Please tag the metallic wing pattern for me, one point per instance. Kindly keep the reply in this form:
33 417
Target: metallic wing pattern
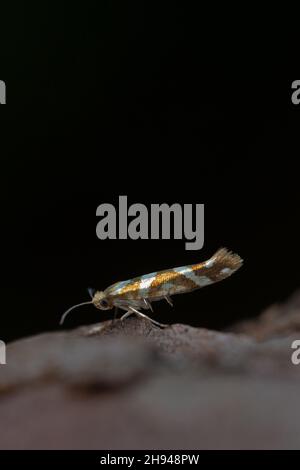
157 285
138 293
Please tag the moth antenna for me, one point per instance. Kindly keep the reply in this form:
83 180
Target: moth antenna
91 291
72 308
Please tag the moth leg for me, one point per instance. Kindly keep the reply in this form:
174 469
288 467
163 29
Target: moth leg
115 314
140 314
129 312
148 304
169 300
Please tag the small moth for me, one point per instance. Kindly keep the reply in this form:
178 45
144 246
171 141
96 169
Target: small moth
138 293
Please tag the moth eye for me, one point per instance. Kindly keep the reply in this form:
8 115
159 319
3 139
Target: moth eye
104 303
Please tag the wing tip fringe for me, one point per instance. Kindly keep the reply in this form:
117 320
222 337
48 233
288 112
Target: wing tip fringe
228 258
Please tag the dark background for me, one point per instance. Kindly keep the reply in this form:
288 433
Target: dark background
110 100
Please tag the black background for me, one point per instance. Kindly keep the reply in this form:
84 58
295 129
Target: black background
113 100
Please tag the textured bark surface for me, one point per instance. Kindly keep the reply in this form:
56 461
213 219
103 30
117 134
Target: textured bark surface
119 385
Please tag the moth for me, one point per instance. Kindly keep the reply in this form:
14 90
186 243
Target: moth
139 293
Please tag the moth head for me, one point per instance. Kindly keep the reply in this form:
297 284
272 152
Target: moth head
101 301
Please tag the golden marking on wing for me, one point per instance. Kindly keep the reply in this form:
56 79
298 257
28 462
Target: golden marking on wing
131 290
176 283
163 277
